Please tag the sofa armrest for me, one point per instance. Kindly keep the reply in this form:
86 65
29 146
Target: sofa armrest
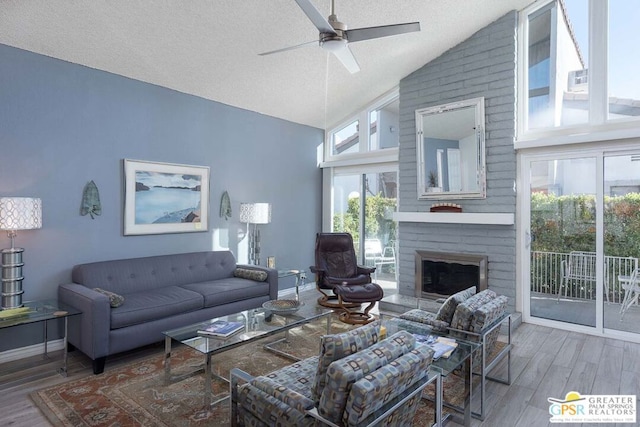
89 331
272 277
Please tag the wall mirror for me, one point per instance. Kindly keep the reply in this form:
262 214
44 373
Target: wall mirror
450 150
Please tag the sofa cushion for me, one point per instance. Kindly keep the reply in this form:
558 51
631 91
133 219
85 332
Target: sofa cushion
232 289
344 372
448 309
142 274
334 347
152 305
464 312
371 392
246 273
115 300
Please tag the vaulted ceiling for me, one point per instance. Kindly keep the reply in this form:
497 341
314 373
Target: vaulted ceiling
209 48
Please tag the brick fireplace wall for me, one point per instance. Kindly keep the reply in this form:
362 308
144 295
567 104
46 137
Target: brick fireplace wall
483 65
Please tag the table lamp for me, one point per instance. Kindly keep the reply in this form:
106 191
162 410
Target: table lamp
16 213
255 213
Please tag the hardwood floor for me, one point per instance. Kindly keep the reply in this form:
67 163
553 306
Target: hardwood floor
546 363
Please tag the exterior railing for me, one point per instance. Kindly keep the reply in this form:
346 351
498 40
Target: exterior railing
546 276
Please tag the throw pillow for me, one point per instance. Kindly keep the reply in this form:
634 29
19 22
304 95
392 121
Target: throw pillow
337 346
463 315
115 300
449 307
256 275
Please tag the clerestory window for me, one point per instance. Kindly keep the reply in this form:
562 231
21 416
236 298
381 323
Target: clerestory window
578 75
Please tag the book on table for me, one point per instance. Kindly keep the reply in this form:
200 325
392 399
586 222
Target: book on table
221 328
442 346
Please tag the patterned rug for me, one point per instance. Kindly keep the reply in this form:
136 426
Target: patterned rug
136 395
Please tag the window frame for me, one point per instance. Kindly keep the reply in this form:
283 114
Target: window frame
599 127
364 155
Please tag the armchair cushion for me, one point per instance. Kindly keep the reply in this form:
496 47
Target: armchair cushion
420 316
283 393
343 373
488 313
264 409
464 312
372 392
334 347
448 309
297 376
360 279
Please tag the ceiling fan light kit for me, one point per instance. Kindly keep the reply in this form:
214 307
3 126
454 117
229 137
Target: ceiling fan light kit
335 38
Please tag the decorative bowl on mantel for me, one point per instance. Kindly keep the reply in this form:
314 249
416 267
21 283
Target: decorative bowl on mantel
445 207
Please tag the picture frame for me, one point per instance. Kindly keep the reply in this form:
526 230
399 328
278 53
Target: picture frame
165 198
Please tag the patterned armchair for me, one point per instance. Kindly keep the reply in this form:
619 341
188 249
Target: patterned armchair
472 317
354 381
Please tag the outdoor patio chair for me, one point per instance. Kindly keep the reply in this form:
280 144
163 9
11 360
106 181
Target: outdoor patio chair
631 286
579 267
377 256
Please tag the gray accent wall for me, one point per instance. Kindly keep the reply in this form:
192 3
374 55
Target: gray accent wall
63 125
482 66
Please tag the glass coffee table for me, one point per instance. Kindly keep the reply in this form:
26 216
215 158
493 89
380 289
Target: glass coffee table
258 323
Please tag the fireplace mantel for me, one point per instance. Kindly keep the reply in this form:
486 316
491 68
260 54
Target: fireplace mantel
456 218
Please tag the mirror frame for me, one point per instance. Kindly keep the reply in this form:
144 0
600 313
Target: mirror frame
478 105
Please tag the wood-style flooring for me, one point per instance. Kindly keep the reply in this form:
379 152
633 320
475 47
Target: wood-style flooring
546 362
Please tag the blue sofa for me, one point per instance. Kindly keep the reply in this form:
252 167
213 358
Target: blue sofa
160 293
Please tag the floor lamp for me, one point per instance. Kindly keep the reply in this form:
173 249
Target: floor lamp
254 214
16 213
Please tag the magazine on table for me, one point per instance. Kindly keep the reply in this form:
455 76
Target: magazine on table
221 328
442 346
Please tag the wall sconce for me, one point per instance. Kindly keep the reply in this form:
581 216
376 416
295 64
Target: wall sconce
16 213
255 213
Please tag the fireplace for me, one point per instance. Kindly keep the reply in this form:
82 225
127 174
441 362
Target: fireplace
440 274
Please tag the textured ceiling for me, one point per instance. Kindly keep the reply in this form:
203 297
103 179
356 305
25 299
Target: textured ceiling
209 48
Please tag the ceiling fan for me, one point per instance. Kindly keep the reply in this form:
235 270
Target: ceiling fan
335 37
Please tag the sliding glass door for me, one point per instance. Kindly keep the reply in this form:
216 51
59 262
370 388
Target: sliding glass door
562 240
363 204
582 240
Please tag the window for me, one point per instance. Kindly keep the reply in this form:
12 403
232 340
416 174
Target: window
578 70
383 126
346 139
372 132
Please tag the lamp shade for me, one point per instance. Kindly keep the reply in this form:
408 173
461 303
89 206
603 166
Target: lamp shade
20 213
255 213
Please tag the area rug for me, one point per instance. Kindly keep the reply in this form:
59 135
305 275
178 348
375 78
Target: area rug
136 395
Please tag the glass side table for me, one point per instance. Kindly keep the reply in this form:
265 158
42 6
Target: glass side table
460 359
43 311
301 275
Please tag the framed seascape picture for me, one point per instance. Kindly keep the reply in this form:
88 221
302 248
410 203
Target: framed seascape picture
165 198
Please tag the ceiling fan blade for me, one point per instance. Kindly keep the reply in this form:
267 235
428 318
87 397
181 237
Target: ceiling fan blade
360 34
315 17
284 49
345 56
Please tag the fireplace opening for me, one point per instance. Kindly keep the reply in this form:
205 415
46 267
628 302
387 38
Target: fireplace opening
440 274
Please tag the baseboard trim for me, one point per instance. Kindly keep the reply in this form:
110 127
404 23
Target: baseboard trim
31 350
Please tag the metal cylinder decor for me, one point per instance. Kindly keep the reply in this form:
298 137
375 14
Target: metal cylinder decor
16 213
